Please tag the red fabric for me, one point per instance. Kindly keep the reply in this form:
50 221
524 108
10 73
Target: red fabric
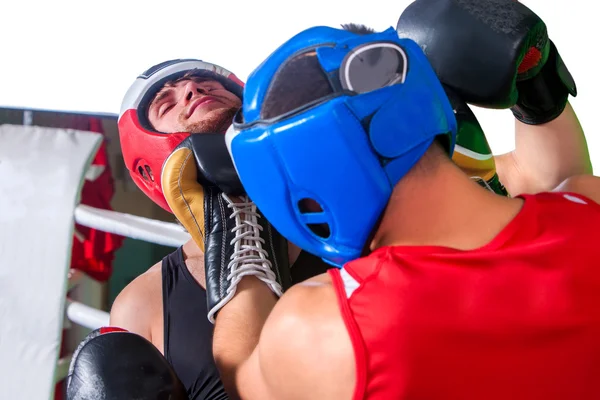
532 59
95 254
516 319
109 329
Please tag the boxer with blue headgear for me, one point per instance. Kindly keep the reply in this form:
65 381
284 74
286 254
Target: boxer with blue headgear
344 150
352 132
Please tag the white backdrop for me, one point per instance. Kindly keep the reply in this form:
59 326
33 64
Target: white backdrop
82 55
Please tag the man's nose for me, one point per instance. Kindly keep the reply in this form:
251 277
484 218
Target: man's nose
192 89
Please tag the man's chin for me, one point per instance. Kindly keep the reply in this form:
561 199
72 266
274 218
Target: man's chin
217 121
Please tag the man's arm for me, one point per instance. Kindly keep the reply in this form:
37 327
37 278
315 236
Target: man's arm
138 304
238 326
544 155
297 348
585 185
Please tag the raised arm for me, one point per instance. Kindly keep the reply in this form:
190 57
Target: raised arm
528 76
545 155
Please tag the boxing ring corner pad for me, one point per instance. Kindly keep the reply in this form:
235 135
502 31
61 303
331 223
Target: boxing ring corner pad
85 316
42 171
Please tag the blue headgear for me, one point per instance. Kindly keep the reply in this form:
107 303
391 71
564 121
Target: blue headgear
346 151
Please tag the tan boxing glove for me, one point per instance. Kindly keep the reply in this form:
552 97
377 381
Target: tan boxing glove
184 194
203 190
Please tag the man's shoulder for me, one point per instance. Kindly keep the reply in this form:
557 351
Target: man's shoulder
307 311
306 328
139 302
309 292
145 285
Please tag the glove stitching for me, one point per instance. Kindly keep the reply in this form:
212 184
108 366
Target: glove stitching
208 200
224 245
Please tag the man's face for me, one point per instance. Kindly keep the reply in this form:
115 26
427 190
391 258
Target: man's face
195 105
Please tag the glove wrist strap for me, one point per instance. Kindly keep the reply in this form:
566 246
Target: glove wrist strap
544 97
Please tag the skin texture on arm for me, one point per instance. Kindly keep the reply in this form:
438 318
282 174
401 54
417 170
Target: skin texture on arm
585 185
544 155
238 326
302 352
138 308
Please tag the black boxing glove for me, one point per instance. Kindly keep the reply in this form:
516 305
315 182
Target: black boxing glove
111 363
203 189
493 53
543 95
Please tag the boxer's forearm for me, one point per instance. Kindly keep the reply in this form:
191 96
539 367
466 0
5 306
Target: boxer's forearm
545 155
238 327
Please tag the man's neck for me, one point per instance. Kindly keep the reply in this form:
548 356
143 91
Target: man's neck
194 261
443 208
191 250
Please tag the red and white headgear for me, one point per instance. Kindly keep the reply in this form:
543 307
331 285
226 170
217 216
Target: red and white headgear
144 148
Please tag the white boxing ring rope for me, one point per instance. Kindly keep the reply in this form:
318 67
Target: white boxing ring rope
132 226
86 316
153 231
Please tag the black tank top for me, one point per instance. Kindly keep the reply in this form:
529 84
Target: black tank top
307 266
188 333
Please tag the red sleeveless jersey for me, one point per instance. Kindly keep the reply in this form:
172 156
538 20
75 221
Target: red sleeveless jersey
516 319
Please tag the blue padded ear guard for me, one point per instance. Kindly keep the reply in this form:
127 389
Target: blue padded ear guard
405 115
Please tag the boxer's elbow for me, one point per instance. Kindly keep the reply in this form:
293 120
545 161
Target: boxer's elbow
519 177
545 155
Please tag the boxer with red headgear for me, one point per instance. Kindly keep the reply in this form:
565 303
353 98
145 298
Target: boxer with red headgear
167 305
174 104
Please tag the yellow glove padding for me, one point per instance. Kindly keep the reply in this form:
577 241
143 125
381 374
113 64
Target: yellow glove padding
185 196
472 152
475 164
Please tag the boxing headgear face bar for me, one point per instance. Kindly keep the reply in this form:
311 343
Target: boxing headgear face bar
144 149
346 150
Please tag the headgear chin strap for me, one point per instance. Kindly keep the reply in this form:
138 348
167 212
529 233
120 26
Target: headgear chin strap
345 151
